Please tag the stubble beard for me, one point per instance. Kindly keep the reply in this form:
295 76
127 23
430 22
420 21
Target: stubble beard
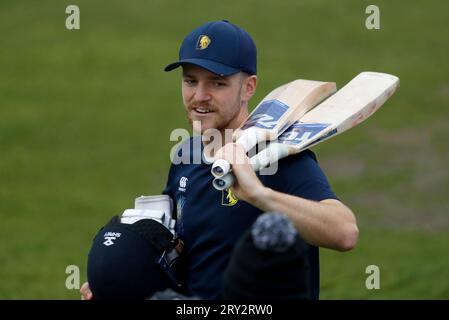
219 122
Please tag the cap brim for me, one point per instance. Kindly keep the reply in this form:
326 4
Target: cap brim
212 66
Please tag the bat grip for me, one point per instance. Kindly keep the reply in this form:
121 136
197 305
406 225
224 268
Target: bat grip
250 137
273 153
247 140
220 168
224 182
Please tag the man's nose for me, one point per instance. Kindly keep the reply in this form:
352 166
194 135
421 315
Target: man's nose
202 93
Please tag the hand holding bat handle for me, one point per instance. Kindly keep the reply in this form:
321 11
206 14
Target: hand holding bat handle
252 136
350 106
275 113
273 153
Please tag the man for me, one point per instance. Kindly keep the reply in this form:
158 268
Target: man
219 78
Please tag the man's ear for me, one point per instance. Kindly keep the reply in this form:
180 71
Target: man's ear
249 85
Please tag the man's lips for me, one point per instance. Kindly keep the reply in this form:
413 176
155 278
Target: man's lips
202 111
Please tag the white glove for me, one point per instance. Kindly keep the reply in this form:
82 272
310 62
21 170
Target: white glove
158 208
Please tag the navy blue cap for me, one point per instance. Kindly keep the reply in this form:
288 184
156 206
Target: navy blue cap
220 47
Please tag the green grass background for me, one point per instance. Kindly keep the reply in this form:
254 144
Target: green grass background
85 118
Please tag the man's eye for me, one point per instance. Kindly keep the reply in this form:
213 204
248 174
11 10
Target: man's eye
220 84
189 81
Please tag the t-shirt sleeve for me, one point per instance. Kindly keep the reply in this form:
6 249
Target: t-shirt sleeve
301 175
168 190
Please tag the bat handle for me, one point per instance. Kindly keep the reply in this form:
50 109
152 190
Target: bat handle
224 182
273 153
220 168
247 140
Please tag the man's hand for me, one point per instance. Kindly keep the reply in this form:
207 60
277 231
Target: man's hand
86 294
327 223
247 186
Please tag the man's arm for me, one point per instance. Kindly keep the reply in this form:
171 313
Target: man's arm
328 223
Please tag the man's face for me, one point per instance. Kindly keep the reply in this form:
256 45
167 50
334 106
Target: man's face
214 100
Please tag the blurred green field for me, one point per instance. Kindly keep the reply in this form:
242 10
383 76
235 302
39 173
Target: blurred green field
85 118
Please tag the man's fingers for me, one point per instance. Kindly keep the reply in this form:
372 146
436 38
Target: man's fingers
86 294
233 153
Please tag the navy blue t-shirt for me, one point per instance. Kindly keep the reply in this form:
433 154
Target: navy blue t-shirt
210 222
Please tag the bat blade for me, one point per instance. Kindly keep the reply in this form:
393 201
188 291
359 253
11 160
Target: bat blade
351 105
275 113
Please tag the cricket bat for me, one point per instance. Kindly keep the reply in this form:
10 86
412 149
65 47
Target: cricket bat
351 105
275 113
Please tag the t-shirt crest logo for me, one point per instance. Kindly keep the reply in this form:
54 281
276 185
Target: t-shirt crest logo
183 184
203 42
228 198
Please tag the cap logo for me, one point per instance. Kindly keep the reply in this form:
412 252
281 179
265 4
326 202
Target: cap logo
203 42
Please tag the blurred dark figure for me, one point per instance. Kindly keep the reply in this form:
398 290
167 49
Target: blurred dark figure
269 262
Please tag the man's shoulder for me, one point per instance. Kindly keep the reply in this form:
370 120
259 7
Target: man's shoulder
299 160
301 175
294 169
